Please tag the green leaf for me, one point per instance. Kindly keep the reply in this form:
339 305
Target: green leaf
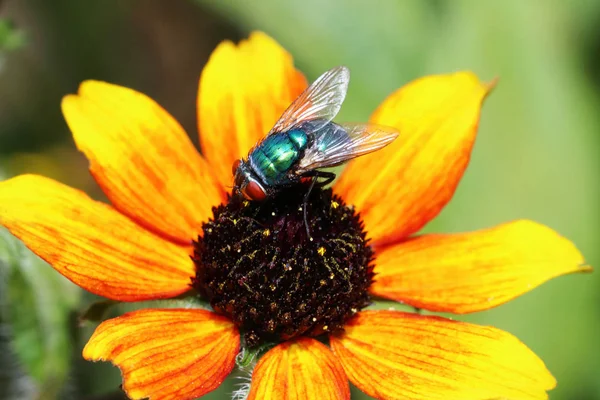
36 305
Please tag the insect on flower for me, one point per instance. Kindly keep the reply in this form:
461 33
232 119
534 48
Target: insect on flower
305 139
172 226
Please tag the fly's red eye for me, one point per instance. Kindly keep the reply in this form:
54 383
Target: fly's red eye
255 192
235 166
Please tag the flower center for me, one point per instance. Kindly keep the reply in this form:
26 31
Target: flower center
256 264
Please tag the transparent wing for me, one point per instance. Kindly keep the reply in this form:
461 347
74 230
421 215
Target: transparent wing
336 144
320 102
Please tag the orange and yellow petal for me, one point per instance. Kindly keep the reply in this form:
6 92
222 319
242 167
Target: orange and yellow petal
243 91
167 354
298 370
397 355
90 243
467 272
142 159
403 186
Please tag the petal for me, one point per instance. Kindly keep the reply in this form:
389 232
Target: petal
90 243
243 91
167 354
142 159
396 355
467 272
301 369
406 184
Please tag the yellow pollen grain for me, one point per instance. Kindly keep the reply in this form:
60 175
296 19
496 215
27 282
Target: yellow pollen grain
267 232
245 203
235 221
325 327
334 204
321 251
331 276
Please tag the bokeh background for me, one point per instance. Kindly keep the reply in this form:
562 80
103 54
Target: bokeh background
537 154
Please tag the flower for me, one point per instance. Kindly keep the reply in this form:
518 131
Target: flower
162 193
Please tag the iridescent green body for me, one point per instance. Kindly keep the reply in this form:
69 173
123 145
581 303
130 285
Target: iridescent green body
305 141
273 158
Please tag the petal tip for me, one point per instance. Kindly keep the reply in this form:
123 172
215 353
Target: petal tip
96 89
490 86
262 38
585 268
67 100
258 35
14 185
224 46
8 181
84 86
89 354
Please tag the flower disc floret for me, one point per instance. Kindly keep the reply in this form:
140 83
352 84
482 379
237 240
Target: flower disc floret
257 265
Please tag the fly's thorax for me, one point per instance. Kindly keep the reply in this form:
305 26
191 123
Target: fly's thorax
274 157
299 138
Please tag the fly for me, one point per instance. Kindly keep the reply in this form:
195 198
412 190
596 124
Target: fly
305 140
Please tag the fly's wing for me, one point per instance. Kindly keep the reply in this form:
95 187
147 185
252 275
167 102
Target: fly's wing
319 103
336 144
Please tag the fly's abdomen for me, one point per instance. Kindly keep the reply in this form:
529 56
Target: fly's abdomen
273 158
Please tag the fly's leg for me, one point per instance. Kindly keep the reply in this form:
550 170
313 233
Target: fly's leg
328 178
312 185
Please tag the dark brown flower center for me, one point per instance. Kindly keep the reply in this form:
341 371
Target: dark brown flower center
256 264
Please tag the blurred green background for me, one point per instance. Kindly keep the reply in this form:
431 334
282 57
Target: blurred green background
537 155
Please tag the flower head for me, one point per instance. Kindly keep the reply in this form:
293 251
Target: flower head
172 226
256 264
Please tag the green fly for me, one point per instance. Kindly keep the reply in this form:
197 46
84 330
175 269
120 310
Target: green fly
305 139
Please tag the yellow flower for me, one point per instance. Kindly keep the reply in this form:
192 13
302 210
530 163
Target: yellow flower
162 191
